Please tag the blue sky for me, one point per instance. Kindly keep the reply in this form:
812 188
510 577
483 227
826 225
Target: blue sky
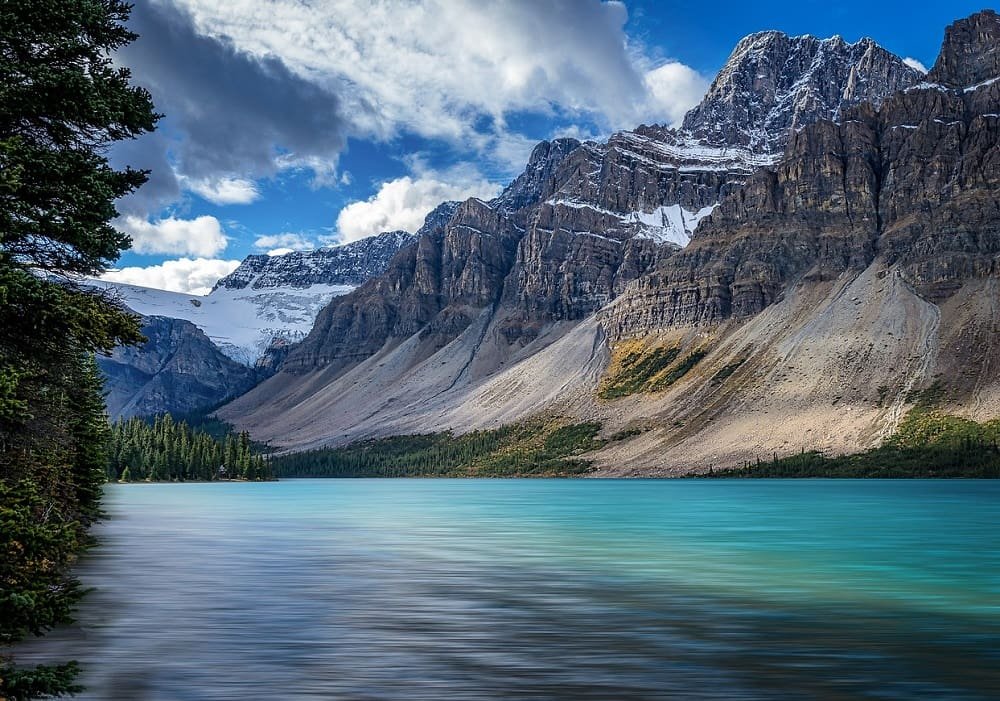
293 124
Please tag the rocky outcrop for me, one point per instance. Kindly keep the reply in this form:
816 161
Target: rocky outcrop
347 264
912 182
780 84
970 54
177 370
433 288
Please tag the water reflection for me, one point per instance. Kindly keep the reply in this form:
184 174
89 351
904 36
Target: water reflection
543 590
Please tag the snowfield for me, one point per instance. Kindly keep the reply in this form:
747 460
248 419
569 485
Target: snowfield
241 322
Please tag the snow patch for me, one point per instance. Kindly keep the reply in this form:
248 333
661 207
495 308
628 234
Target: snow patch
973 88
672 224
241 322
665 224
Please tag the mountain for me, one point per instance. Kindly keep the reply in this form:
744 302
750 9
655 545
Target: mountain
347 265
833 291
177 370
271 299
774 85
242 322
500 285
202 350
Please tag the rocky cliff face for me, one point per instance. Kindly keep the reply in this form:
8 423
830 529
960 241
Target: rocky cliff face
177 370
585 219
779 84
911 181
970 54
348 264
501 281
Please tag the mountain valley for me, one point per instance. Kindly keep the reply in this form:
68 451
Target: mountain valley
787 270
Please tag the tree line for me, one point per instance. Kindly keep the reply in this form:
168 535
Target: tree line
532 448
63 102
169 450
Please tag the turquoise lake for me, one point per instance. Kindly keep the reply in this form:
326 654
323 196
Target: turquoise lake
542 589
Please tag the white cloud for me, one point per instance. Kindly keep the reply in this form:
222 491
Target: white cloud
202 236
673 89
223 191
434 66
914 63
286 242
191 276
404 202
575 131
297 79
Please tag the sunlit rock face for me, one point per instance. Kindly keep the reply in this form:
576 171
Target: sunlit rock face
586 219
911 181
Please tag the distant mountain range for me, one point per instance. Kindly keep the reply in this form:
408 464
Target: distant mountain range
204 349
815 246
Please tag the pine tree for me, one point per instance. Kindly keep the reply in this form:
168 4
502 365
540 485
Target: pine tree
62 103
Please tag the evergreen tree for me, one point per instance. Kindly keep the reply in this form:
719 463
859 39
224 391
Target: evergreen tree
173 451
62 103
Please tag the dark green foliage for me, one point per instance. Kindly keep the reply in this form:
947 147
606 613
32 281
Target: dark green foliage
529 449
927 397
37 542
62 103
205 421
648 370
626 433
927 444
169 450
678 371
636 370
40 682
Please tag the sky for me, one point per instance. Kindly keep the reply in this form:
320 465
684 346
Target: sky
292 124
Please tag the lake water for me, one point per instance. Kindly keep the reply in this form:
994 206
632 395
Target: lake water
542 589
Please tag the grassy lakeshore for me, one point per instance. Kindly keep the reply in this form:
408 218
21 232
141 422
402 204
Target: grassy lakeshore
928 443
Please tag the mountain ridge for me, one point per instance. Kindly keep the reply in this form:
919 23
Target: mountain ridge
430 343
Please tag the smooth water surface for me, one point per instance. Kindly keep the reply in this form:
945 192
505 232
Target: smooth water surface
542 589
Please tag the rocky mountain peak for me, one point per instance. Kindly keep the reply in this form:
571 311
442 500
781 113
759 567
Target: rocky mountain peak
773 84
438 217
528 187
347 264
970 53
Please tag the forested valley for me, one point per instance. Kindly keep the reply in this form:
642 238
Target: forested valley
169 450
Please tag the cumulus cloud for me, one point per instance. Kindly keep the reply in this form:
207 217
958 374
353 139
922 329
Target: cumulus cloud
915 64
285 243
252 88
192 276
202 236
673 90
231 116
224 191
434 66
403 203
